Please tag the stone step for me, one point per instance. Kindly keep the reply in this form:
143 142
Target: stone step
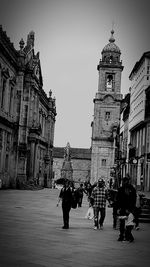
145 212
144 220
144 215
146 207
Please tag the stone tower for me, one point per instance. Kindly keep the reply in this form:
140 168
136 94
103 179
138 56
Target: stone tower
106 111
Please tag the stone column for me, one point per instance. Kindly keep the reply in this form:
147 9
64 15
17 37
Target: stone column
32 159
35 161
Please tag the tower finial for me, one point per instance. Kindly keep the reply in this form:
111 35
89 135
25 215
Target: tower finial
113 24
112 39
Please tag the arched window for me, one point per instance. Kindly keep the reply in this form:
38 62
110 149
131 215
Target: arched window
109 82
111 59
3 93
10 100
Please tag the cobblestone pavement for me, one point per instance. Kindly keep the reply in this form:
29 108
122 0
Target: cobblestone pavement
31 235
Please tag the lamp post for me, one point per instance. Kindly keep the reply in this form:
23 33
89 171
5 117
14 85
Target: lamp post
114 133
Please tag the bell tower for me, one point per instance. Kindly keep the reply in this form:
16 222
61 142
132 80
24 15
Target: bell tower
106 111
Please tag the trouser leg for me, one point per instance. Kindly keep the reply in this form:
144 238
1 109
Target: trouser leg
115 217
102 216
122 228
66 210
96 214
128 233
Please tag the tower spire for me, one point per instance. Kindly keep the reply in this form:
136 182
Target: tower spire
112 39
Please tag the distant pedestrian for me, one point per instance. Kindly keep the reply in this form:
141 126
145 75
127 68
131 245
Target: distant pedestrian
126 200
112 199
66 197
129 225
88 189
99 195
142 182
137 210
80 191
90 212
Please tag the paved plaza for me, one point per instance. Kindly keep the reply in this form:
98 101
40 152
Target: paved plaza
31 235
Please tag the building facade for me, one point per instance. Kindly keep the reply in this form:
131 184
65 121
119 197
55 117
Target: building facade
106 111
27 117
123 136
80 163
139 123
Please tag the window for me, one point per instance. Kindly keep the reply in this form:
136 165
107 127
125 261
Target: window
111 59
107 115
0 161
25 114
1 138
148 140
103 162
6 163
8 135
3 93
10 100
109 82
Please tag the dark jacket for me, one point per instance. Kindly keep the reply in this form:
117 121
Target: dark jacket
66 196
126 198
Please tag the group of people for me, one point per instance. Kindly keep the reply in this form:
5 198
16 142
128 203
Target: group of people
125 203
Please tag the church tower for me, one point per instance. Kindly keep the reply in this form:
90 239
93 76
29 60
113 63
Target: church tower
106 111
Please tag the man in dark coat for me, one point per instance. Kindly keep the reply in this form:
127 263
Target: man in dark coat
126 200
66 197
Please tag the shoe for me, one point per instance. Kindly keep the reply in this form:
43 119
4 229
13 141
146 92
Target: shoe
137 228
65 227
132 240
101 227
95 228
120 239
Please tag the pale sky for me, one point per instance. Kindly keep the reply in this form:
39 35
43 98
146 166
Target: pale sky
70 36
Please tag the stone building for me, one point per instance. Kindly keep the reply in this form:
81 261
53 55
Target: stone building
124 133
106 111
80 163
139 123
27 117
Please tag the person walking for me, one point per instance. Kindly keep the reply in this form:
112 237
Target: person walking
99 195
129 225
112 199
66 197
80 191
126 200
